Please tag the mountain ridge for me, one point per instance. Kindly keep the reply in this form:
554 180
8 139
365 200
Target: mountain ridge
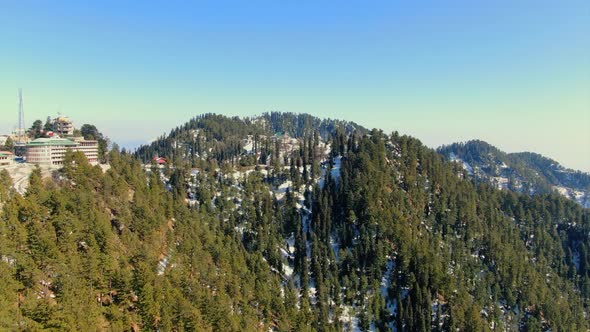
240 228
526 172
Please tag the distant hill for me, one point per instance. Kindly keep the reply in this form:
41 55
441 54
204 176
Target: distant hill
523 172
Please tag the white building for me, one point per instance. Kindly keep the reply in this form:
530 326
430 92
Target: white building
89 148
51 151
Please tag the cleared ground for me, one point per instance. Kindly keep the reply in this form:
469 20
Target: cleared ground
20 175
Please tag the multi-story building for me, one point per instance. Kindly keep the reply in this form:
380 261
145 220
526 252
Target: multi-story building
51 151
63 126
6 158
89 148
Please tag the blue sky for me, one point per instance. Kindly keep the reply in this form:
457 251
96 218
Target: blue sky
513 73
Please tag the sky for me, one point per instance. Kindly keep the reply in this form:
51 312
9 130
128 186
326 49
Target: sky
513 73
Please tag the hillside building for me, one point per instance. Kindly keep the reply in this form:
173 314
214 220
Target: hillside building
89 148
6 158
63 126
51 151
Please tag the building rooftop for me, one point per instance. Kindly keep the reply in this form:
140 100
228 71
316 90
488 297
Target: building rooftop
52 141
82 139
6 154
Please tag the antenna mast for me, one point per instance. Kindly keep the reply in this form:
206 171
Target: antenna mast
21 117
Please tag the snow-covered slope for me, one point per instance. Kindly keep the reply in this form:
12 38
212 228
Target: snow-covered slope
523 172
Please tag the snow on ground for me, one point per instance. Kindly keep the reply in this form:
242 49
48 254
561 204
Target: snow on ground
335 172
385 280
312 292
500 182
288 269
466 165
468 168
263 170
282 189
577 260
291 243
240 229
562 190
237 175
322 180
385 283
287 257
287 262
163 264
336 247
306 219
581 197
349 319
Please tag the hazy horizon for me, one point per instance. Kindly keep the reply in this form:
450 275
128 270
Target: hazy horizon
516 75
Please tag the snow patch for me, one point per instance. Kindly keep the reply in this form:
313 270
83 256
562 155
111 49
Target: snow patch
335 172
349 319
282 189
465 165
163 264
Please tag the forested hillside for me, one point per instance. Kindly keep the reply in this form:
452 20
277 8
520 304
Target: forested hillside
523 172
287 223
216 137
